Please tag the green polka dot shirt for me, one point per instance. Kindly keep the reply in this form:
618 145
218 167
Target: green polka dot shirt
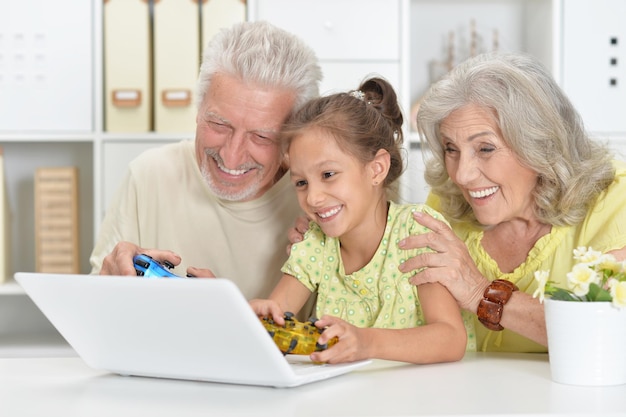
378 295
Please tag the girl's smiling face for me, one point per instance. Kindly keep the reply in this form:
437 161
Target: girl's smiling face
334 188
494 182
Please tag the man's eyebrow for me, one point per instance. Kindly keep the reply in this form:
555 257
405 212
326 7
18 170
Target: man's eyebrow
267 131
213 115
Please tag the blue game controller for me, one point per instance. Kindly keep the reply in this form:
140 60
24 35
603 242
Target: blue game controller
149 268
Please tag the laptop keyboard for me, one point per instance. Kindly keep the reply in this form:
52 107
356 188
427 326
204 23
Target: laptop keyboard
302 363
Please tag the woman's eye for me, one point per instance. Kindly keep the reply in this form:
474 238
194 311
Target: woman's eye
487 149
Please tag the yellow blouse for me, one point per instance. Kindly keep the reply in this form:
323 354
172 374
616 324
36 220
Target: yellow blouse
604 229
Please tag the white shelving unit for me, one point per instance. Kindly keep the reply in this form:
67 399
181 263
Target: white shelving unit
46 119
34 49
399 39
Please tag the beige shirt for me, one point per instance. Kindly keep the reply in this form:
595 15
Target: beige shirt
164 203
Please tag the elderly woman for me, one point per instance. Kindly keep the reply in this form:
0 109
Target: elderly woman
521 184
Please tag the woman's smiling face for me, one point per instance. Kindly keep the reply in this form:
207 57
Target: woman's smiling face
478 160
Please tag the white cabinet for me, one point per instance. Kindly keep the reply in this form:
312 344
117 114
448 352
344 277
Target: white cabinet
46 66
352 38
594 62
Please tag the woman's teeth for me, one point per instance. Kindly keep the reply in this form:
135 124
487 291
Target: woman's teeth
483 193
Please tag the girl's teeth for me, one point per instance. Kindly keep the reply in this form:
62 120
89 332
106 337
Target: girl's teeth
329 213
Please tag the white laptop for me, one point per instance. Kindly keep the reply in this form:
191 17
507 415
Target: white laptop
196 329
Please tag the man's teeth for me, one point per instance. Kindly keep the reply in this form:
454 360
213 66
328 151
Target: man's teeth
233 171
329 213
483 193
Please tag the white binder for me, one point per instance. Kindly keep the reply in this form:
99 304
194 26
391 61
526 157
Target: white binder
127 61
176 64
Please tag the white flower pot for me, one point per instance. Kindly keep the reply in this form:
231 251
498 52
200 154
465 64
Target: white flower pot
586 342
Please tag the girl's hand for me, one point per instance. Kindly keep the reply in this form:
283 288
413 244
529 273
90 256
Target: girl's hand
268 308
450 264
296 233
352 345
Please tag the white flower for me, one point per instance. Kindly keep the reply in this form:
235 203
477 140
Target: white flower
618 292
587 255
608 261
596 276
542 278
580 278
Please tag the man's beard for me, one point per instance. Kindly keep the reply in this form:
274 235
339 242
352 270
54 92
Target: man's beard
223 191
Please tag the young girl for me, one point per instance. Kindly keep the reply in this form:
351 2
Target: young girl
344 153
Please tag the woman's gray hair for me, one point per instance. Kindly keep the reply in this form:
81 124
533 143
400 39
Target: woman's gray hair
262 54
537 121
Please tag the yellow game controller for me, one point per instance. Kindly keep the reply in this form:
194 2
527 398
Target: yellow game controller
295 337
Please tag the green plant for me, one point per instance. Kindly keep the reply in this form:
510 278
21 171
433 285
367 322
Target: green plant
596 276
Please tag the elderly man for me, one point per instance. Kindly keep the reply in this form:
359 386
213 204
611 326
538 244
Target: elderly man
220 206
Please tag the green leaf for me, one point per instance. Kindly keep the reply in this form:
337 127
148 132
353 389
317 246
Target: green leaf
563 295
598 294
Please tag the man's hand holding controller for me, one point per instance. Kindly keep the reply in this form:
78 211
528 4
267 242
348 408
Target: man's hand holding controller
121 261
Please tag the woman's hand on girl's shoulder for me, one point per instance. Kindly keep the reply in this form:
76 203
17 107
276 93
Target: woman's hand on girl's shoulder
449 262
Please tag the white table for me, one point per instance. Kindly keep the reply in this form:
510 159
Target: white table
481 384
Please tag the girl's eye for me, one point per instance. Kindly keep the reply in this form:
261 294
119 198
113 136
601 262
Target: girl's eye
327 175
300 183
